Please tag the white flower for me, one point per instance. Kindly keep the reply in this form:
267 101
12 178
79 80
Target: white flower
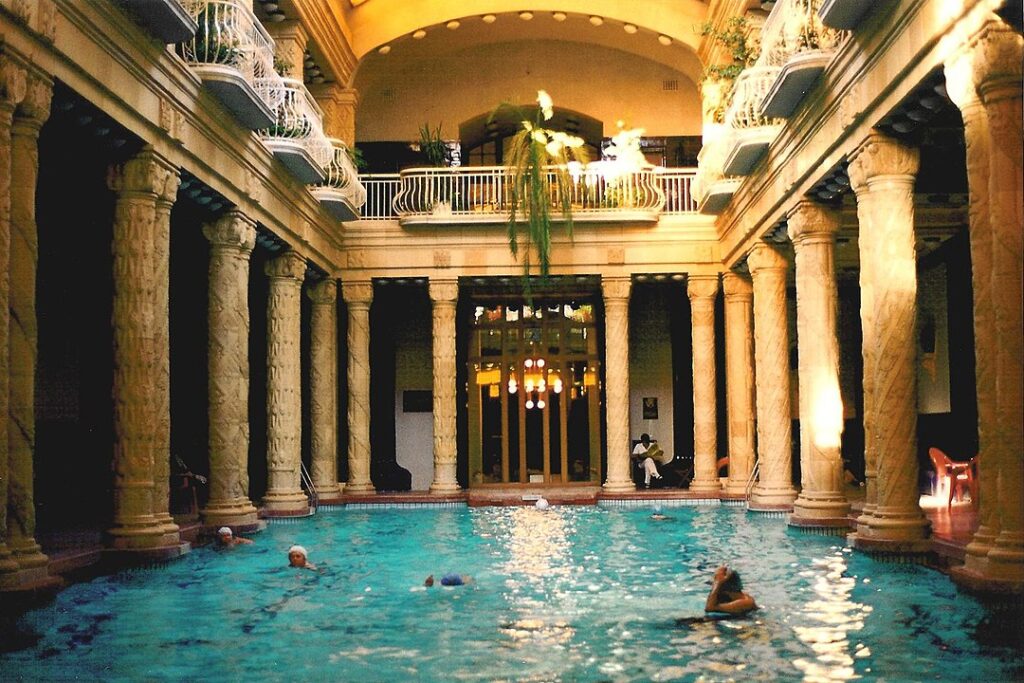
539 136
547 107
553 147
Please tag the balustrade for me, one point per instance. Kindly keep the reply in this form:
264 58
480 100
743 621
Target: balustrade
749 132
341 191
297 136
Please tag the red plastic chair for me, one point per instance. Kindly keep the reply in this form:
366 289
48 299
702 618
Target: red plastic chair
957 475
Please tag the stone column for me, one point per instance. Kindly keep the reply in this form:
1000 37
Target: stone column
290 39
739 379
13 85
961 88
32 112
323 389
997 74
339 106
821 502
358 296
443 295
882 173
616 374
702 290
284 387
140 351
774 489
232 239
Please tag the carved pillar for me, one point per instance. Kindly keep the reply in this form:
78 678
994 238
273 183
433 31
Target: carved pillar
882 173
232 239
821 502
774 487
358 296
616 374
290 39
12 91
339 106
961 88
997 74
702 290
139 353
443 295
739 379
284 386
32 112
323 389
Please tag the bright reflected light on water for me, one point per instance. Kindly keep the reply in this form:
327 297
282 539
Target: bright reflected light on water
836 616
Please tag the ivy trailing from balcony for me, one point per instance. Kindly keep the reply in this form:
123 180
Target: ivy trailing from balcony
538 165
741 42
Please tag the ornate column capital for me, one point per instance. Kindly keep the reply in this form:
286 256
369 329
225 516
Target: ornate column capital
878 156
737 287
616 288
356 293
764 257
34 108
701 286
444 291
232 230
288 265
324 292
810 219
13 81
146 173
960 86
997 60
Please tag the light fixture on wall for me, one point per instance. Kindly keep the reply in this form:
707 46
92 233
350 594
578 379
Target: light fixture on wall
537 381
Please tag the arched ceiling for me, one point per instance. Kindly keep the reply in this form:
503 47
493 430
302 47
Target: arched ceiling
663 31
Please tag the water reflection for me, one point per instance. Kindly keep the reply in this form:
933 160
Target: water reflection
833 615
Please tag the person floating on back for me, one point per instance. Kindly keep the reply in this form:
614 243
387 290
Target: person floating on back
226 538
299 558
449 580
727 594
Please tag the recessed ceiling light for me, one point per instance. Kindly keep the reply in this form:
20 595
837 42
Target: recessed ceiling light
596 20
526 16
629 28
453 24
664 40
384 49
419 34
489 18
558 16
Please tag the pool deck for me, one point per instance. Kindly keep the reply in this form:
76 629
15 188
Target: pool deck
77 553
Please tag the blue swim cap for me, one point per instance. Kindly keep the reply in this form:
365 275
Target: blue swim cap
451 580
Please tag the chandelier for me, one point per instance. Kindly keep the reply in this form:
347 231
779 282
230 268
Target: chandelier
536 380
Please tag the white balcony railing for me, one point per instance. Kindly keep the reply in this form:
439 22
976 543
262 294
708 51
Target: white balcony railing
381 190
677 186
480 194
799 46
711 188
234 55
297 134
341 192
749 132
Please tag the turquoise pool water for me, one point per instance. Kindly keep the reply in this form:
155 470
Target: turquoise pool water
568 594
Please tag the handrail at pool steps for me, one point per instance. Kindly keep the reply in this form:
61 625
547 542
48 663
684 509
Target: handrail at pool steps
751 479
314 497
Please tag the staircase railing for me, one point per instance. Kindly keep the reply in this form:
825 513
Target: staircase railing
307 481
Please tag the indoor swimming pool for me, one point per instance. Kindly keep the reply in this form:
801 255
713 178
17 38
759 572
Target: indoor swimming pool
566 594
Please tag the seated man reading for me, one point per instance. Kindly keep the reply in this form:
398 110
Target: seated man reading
644 454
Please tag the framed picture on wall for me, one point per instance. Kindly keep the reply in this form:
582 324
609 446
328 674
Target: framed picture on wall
650 407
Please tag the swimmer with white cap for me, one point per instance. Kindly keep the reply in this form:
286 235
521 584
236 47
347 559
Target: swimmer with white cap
542 503
298 557
226 538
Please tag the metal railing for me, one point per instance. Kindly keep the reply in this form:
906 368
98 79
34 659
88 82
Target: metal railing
677 186
793 28
342 175
752 85
299 119
381 190
752 480
230 35
307 481
710 162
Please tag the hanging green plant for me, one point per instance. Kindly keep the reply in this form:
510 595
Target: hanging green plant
741 42
538 181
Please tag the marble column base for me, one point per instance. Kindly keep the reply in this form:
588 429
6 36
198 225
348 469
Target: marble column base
28 554
984 584
33 580
285 503
8 568
820 506
444 488
1006 559
976 552
359 489
734 487
707 486
330 493
168 523
892 526
623 486
769 499
132 556
143 533
231 513
889 546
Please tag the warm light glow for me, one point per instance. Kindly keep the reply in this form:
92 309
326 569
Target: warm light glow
384 49
541 404
664 40
526 16
453 24
629 28
528 362
557 386
489 18
558 16
827 412
528 384
512 386
529 403
540 362
419 34
491 376
596 20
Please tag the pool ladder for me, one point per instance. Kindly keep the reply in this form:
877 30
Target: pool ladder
751 480
307 481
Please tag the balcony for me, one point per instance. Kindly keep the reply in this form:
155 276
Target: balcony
297 136
479 194
168 20
711 188
234 56
844 14
341 193
796 43
748 133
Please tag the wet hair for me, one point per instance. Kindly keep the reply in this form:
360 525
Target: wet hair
733 584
